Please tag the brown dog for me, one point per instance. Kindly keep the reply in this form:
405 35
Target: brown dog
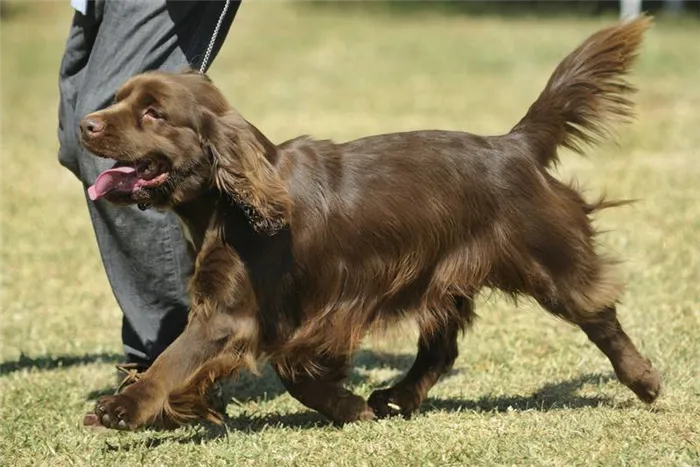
304 247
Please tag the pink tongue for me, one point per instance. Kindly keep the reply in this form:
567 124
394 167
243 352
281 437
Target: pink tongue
119 178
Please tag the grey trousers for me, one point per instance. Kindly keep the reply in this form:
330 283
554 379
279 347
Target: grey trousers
144 253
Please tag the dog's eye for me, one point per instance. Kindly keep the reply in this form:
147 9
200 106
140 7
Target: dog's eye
152 113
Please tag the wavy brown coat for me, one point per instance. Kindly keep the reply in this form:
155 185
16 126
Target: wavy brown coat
304 247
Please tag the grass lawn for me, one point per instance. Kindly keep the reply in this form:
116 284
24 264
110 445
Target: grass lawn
527 389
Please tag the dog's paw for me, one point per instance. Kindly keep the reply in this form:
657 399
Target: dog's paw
118 412
646 384
393 402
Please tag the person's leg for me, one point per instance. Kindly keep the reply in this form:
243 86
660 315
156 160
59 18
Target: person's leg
144 253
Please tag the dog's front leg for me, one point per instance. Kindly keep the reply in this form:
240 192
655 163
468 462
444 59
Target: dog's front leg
169 392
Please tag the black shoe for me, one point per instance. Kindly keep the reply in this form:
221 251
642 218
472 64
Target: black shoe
129 373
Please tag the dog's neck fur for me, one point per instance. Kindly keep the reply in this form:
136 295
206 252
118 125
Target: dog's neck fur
195 217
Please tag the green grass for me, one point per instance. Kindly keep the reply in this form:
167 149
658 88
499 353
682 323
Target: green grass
527 389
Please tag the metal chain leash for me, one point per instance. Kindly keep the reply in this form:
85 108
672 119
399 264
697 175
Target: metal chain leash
213 38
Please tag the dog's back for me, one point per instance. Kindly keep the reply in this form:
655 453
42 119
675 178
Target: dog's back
400 223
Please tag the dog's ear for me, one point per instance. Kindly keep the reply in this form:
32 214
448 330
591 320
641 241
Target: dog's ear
242 159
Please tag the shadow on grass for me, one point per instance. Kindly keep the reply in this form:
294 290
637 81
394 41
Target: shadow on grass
370 360
243 423
49 362
553 396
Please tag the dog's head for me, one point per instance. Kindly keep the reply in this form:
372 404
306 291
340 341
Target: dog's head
174 137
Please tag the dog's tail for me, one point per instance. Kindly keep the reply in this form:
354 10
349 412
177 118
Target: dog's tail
585 92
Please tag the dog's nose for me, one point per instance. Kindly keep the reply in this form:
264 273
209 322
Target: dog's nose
92 126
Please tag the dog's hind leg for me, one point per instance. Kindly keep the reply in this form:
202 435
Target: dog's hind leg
581 302
632 369
437 352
